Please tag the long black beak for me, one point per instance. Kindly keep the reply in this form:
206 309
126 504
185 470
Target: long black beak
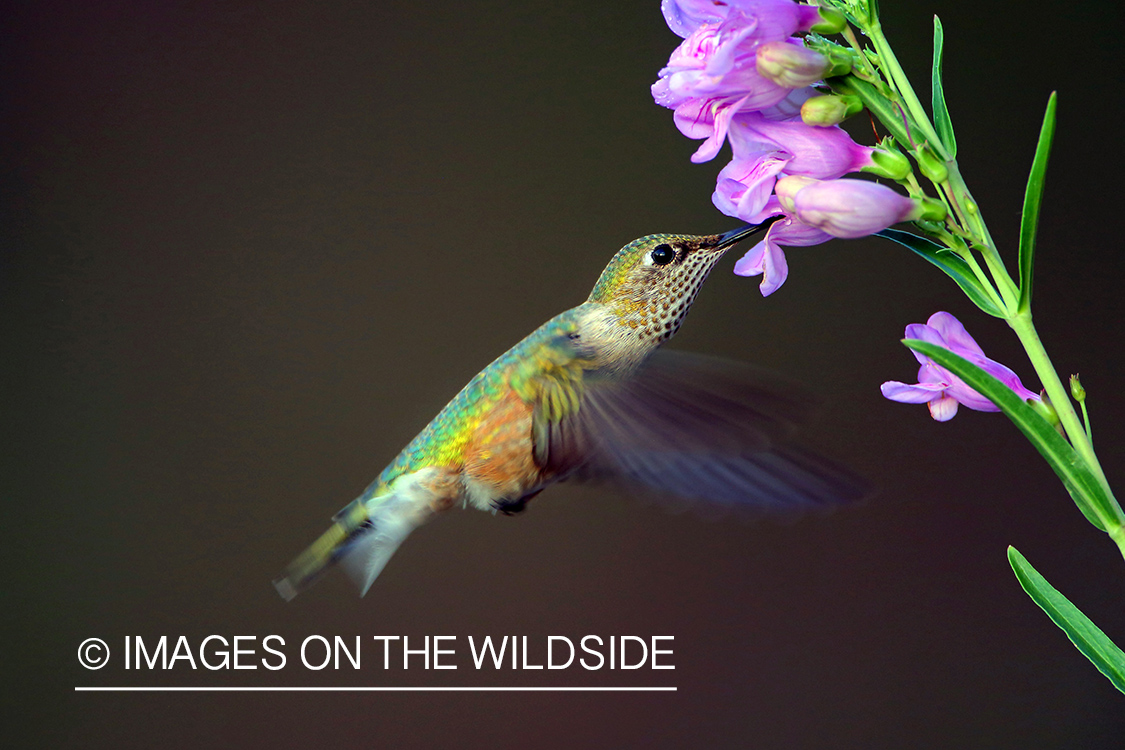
728 239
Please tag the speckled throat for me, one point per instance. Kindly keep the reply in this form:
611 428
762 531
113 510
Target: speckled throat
653 299
664 311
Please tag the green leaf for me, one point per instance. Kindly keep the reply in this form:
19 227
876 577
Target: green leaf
949 262
1084 634
1080 482
1032 199
942 122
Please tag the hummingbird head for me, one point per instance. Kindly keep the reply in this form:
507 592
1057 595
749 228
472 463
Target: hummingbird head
651 283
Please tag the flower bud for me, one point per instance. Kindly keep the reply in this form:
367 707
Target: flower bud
791 65
889 163
787 188
831 22
1076 389
931 166
849 208
830 109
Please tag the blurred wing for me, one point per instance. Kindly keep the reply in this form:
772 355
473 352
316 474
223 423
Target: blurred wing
699 429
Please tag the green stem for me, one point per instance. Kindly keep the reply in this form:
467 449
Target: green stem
989 289
954 188
913 117
970 218
1029 337
896 76
1086 421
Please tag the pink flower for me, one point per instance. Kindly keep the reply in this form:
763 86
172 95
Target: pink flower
815 211
685 16
766 150
717 62
740 73
714 73
850 208
940 388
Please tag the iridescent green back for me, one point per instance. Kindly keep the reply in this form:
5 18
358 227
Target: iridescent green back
444 440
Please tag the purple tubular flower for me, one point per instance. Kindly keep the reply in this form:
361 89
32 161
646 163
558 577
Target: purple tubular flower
685 16
710 65
940 388
851 208
741 74
815 211
714 73
766 150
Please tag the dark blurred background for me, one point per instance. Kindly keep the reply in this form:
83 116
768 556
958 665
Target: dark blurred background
249 250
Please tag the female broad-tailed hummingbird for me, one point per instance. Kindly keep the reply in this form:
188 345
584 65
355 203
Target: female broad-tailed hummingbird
587 396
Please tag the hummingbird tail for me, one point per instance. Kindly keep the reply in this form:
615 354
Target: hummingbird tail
362 539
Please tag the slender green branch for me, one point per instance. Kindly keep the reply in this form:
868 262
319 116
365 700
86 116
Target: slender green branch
989 289
972 220
1086 420
1060 399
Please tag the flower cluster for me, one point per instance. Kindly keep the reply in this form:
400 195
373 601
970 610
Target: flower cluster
741 74
940 388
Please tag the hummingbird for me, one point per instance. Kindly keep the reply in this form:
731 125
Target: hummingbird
590 396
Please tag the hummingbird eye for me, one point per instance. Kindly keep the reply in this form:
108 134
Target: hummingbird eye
662 255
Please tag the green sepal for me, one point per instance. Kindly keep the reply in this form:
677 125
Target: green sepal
1032 199
1088 493
1084 634
831 22
942 122
949 262
890 164
931 165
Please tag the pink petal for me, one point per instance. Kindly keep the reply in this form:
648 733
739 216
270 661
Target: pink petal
957 338
809 16
909 394
923 332
776 269
790 232
685 16
753 262
824 153
789 108
970 398
708 119
931 373
744 185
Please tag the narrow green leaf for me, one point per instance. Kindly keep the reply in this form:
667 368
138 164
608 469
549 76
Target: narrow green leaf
1032 198
1080 482
942 122
949 262
1084 634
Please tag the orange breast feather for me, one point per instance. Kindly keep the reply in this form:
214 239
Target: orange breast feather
499 454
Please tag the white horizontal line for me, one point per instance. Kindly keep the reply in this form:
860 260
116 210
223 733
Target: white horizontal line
370 689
